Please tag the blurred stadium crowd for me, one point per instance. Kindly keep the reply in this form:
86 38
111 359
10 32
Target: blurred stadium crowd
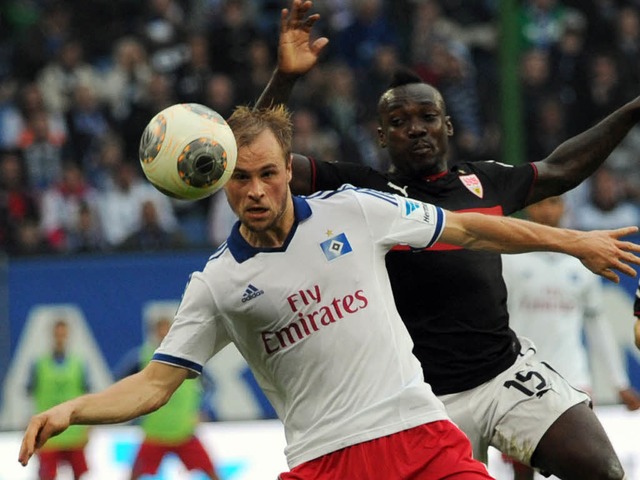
79 80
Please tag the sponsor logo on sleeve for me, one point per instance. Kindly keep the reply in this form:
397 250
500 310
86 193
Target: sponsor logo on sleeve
421 212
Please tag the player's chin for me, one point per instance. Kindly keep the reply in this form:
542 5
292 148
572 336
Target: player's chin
256 223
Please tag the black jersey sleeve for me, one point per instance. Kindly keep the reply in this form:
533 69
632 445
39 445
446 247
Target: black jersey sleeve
636 303
330 176
512 184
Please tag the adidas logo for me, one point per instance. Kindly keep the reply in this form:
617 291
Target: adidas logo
250 293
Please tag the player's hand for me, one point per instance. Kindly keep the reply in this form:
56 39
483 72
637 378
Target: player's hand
41 428
602 252
630 398
297 52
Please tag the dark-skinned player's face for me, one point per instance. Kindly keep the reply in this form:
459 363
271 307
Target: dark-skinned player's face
415 129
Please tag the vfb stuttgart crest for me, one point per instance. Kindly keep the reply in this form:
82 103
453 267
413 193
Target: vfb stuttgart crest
472 182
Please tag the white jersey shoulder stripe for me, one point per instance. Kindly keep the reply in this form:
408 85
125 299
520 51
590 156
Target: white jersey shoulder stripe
219 251
348 187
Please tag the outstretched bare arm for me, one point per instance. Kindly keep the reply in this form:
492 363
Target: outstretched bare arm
577 158
601 251
129 398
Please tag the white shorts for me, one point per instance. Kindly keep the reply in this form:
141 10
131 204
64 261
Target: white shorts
512 411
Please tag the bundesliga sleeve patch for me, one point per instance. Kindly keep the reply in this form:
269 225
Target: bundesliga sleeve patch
335 247
418 211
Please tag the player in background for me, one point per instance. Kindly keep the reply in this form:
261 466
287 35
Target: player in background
55 377
320 331
461 328
170 429
553 301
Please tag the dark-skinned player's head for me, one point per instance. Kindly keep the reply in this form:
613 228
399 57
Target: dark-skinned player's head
414 126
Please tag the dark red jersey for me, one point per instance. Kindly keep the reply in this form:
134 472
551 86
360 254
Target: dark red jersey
452 300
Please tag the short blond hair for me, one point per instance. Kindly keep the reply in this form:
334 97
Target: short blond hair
248 123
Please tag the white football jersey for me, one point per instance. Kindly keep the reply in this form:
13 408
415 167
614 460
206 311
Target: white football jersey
554 301
316 320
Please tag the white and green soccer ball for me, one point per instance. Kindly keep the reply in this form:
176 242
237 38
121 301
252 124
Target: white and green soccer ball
188 151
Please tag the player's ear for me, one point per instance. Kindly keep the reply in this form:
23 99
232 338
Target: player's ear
448 125
381 138
289 167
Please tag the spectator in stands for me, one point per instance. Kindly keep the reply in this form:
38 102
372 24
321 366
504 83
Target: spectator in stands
258 70
193 76
627 46
58 79
29 239
86 236
221 94
568 60
313 140
536 86
541 23
151 235
230 36
10 119
30 102
62 204
125 81
17 203
163 33
42 151
369 29
607 205
604 91
452 72
550 128
119 205
88 123
101 167
159 94
43 39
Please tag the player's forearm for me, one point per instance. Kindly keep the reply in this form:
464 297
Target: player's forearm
125 400
506 235
578 157
636 331
278 90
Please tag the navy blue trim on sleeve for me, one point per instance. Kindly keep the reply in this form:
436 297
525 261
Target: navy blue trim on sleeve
178 362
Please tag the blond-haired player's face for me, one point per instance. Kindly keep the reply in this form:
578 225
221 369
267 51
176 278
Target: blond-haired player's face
258 190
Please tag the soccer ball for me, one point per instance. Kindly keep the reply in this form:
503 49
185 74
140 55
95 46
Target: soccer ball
188 151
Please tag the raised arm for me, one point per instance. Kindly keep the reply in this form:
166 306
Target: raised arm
600 251
577 158
129 398
297 52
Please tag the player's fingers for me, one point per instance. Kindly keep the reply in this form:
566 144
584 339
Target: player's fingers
621 232
299 10
319 44
311 20
624 268
284 20
610 275
630 257
28 446
629 246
